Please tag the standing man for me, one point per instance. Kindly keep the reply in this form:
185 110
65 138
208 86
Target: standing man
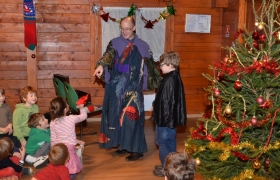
127 59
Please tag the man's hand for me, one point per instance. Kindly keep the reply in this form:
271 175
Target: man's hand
98 71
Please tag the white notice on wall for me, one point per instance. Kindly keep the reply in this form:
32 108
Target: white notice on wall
198 23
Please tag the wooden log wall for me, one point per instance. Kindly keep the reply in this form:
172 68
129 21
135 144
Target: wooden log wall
69 43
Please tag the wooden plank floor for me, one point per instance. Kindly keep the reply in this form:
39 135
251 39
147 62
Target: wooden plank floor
102 164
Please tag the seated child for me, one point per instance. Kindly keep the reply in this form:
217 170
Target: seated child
5 115
179 166
11 165
22 112
56 170
6 129
63 131
38 143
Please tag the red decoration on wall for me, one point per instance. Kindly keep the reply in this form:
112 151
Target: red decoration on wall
105 16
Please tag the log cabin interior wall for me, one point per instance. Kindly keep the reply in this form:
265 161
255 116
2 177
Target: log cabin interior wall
69 43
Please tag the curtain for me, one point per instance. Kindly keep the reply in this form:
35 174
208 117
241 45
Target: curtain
154 37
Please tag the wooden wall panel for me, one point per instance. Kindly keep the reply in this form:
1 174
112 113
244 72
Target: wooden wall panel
13 69
69 43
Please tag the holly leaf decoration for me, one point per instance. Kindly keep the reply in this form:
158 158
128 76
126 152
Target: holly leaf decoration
171 10
132 9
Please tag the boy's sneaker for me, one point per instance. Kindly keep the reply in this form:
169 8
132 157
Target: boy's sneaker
158 173
158 167
41 161
27 171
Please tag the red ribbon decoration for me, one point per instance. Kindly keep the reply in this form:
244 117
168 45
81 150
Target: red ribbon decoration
228 130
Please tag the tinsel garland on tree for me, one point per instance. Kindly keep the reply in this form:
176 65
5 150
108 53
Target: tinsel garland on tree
240 137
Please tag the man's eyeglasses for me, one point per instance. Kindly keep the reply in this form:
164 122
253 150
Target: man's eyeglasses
161 64
126 29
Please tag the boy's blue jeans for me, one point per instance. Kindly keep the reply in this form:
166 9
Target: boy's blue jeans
166 140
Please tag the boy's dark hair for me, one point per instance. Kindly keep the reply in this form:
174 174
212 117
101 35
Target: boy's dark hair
6 147
57 106
34 120
2 91
178 166
170 58
24 92
58 154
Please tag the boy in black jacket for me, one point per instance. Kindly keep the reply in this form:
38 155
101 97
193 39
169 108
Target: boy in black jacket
169 107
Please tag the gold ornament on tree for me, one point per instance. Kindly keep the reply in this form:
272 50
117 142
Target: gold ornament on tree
261 26
230 61
197 161
256 164
228 109
278 35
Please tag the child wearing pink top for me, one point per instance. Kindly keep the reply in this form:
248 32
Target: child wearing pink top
63 131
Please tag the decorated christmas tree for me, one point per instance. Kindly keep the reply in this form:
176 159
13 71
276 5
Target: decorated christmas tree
239 138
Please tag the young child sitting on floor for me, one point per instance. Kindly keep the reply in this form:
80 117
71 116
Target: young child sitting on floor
6 129
179 166
63 131
11 165
38 143
56 170
23 111
5 115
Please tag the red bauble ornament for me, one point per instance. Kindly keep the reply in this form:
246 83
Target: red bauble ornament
256 45
262 38
260 100
237 85
255 35
267 162
254 121
217 92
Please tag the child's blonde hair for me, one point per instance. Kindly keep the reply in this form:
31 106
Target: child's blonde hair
34 120
58 154
170 58
24 92
6 147
2 91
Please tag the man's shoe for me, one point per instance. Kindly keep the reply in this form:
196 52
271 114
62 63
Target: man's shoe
158 167
120 152
41 161
133 156
27 171
158 173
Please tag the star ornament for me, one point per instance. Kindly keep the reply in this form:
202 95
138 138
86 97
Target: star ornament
105 16
149 25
